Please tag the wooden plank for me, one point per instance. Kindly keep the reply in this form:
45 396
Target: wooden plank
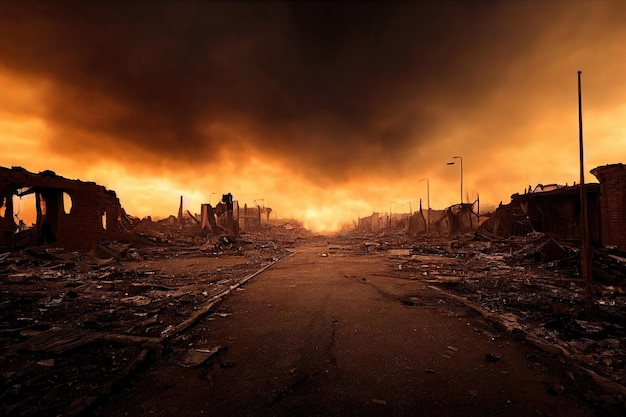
63 340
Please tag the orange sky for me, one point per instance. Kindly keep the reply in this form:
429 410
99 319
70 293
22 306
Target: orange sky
327 113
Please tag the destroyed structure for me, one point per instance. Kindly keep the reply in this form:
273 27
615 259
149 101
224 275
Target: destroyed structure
372 223
75 215
69 213
459 218
229 218
555 210
223 213
253 218
550 209
76 325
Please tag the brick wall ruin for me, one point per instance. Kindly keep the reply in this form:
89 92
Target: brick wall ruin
94 215
554 210
612 204
373 223
459 218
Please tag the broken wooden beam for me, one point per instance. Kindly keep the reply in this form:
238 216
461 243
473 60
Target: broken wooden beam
64 340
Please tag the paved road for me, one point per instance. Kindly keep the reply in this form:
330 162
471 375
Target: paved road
338 335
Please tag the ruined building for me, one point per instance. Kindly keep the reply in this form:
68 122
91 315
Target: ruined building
373 223
221 218
253 218
69 213
458 218
553 209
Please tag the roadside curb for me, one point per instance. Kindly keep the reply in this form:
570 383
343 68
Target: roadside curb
508 322
158 344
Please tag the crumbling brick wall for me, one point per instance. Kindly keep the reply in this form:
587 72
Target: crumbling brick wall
94 217
372 223
7 221
555 211
94 214
612 204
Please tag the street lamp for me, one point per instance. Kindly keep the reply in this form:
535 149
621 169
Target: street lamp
427 203
452 163
260 199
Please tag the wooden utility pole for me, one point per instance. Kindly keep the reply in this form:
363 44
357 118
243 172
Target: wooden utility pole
585 249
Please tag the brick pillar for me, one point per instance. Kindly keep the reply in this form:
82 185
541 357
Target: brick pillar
612 204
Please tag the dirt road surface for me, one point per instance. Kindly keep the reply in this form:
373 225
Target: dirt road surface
336 333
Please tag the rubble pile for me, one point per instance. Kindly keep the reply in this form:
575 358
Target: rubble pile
75 324
530 285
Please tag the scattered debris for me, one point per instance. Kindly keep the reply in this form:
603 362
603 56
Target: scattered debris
197 357
81 311
75 324
528 284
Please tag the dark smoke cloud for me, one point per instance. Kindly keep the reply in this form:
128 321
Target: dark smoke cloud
330 88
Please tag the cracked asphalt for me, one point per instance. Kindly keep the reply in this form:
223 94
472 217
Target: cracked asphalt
325 333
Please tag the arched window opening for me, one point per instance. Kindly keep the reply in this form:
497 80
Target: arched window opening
104 220
67 203
24 210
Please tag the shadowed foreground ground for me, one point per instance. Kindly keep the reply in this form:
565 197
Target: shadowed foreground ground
338 334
